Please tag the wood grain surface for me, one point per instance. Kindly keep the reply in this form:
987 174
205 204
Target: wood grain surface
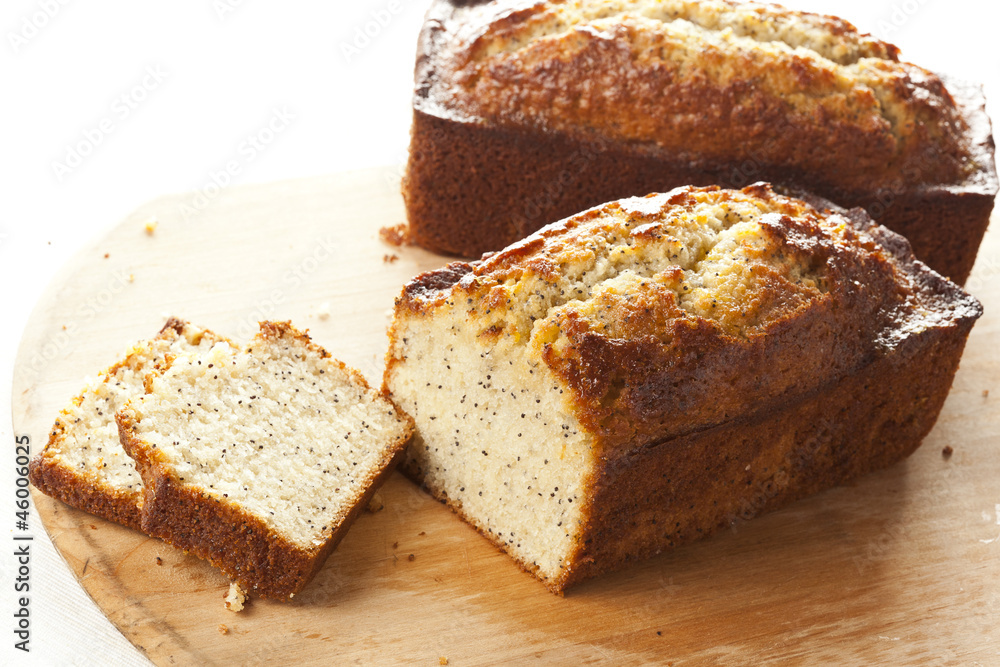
901 568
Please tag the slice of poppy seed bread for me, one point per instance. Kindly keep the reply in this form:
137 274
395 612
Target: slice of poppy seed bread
643 373
83 463
258 460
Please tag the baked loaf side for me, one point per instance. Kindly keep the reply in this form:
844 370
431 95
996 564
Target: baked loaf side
259 459
83 463
631 378
708 74
527 113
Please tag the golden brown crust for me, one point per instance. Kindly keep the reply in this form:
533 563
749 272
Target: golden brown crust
85 491
260 559
808 387
626 388
494 156
682 75
691 486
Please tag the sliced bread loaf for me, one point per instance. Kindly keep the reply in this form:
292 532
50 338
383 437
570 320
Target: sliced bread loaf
259 459
83 463
640 374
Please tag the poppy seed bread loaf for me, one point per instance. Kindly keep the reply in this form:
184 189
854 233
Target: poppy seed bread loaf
638 375
83 463
525 113
259 459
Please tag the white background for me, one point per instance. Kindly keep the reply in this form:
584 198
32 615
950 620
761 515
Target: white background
223 70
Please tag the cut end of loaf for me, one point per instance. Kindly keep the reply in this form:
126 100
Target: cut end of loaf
497 440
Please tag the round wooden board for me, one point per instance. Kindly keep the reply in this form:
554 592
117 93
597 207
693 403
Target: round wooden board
900 568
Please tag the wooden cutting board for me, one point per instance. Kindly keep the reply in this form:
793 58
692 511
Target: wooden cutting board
902 568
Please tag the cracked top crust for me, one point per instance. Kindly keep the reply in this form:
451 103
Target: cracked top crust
704 302
711 81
